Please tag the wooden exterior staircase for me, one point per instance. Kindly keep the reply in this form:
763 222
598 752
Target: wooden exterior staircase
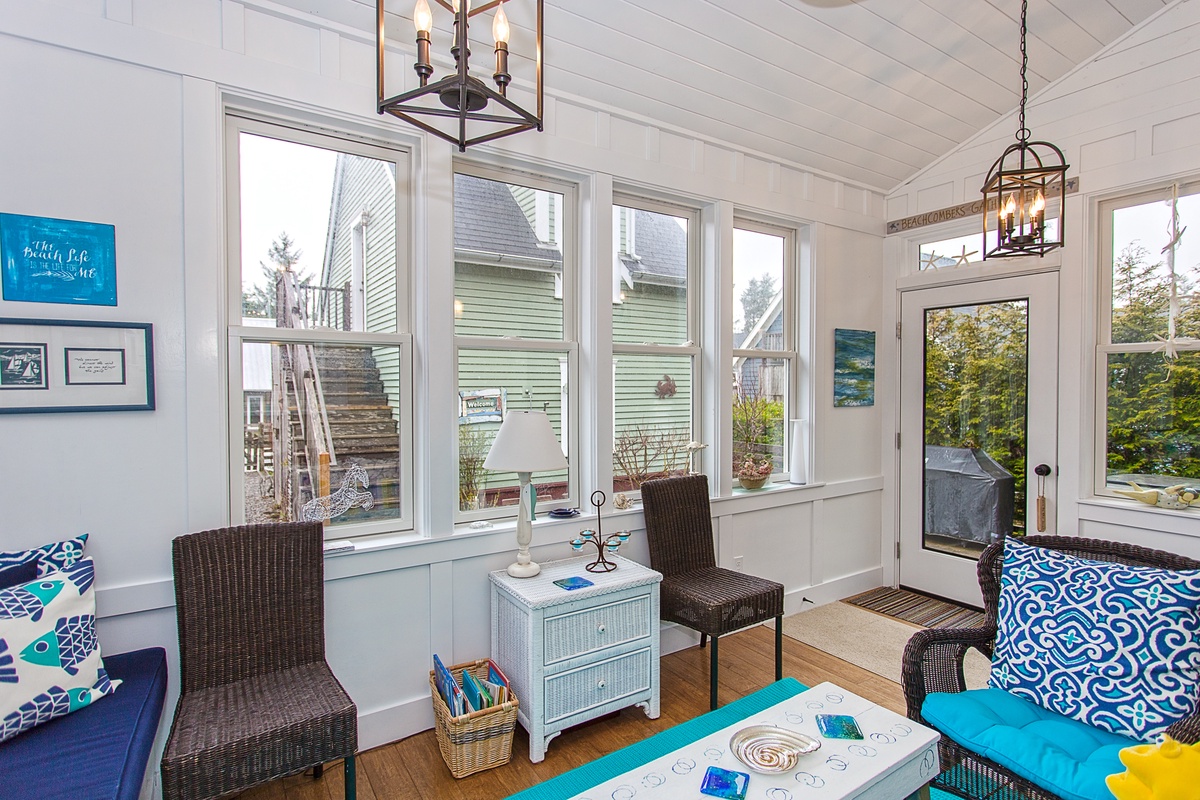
336 434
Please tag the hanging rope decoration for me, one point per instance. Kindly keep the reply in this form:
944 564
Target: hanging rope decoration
1170 345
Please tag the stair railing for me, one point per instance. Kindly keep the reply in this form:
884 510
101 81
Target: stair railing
303 375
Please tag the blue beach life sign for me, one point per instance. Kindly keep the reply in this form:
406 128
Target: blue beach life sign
46 260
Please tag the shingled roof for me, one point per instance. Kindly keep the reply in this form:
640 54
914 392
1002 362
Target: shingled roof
487 219
660 245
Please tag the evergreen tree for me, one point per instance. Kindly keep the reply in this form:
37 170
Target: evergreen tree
1153 402
259 301
756 299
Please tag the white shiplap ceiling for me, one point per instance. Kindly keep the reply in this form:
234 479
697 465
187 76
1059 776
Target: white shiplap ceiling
870 91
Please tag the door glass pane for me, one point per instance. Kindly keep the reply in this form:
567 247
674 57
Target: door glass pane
322 440
976 370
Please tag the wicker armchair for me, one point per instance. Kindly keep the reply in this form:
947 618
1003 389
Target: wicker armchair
933 662
257 699
696 592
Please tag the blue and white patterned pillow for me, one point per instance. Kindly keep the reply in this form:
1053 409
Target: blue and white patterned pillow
1114 646
50 557
50 662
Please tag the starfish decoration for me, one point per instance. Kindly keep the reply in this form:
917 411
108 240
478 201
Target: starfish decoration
929 260
962 258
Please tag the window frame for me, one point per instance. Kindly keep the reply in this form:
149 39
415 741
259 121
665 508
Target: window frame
1105 255
567 287
237 122
795 406
690 346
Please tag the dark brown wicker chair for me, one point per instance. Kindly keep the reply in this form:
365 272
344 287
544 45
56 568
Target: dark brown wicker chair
933 662
696 592
257 700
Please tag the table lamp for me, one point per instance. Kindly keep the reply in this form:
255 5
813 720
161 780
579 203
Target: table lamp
525 443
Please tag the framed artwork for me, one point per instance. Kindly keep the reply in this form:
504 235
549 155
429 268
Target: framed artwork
44 260
62 365
853 367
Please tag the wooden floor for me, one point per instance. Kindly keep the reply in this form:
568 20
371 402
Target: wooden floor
412 769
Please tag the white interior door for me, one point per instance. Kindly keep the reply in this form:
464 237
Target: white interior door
978 400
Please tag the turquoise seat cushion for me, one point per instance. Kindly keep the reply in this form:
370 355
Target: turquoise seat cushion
1063 755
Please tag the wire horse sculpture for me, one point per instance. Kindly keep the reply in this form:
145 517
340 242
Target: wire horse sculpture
597 538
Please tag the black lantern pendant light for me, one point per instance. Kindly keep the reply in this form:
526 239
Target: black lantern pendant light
464 98
1027 181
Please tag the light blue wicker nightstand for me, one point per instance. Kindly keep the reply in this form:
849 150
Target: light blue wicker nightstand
576 655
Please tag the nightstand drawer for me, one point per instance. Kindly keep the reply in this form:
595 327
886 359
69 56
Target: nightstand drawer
571 692
579 632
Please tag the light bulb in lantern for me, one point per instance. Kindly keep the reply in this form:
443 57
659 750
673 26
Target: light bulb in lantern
1037 212
422 17
456 3
500 30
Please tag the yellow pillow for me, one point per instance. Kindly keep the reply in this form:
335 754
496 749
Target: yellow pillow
1165 771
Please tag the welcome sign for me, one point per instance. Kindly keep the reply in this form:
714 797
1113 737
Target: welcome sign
46 260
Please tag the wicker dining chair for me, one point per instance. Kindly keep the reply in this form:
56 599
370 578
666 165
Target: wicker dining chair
257 698
933 662
695 592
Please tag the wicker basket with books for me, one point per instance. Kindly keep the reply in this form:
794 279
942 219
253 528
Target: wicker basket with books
478 738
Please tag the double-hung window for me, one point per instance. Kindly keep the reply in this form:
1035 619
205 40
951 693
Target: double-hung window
514 325
1148 356
655 351
764 346
320 411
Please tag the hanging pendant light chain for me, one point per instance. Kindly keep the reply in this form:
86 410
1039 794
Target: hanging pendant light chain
1025 190
1023 132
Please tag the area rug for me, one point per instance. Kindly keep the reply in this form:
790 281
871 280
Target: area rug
919 609
868 640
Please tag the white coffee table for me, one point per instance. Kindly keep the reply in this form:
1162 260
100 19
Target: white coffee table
896 758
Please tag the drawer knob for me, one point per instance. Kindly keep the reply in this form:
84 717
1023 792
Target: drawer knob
600 628
600 684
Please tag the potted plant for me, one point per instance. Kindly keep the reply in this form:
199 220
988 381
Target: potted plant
754 472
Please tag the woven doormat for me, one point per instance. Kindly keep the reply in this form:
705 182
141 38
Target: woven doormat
919 609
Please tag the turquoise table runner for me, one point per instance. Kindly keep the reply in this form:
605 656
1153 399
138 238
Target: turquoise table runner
603 769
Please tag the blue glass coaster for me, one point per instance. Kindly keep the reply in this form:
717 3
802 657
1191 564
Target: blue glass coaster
725 783
838 726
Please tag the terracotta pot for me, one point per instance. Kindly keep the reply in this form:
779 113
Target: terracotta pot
752 483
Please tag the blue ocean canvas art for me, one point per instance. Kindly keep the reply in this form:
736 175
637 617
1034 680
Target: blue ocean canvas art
853 367
45 260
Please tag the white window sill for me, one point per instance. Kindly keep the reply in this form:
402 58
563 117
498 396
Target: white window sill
1134 514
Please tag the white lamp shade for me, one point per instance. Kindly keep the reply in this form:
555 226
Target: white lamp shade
525 443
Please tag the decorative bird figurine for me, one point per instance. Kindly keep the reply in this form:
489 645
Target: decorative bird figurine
1180 496
1147 496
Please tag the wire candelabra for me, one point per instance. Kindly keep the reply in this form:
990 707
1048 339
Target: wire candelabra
603 543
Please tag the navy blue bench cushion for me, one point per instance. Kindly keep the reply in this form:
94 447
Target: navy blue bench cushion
96 752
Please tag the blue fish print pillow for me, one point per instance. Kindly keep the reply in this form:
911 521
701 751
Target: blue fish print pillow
49 557
50 662
1114 646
